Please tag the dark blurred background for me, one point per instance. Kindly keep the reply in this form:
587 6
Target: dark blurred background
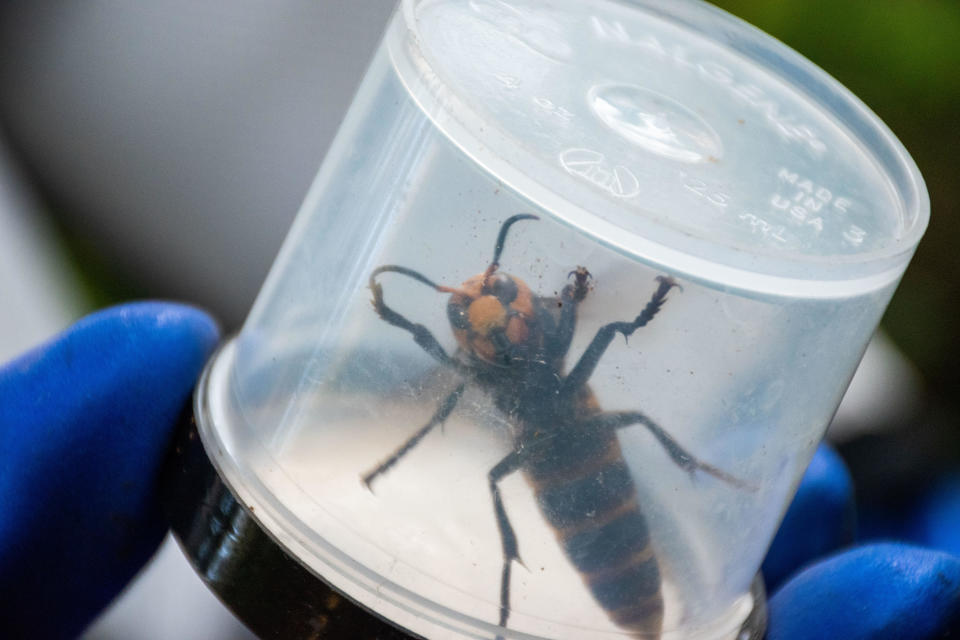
168 145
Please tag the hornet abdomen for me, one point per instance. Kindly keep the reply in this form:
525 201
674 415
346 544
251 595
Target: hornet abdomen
585 491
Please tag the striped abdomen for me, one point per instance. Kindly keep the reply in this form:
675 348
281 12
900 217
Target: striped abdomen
586 493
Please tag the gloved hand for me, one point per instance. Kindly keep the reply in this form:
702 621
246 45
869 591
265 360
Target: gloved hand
85 423
877 591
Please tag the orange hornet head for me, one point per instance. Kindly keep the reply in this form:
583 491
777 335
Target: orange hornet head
491 313
491 316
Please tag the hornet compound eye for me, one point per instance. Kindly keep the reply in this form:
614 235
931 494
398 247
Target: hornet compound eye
503 287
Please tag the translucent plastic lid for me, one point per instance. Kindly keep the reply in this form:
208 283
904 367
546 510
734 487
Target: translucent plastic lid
478 453
671 131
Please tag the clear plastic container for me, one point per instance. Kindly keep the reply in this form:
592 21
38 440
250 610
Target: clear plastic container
658 144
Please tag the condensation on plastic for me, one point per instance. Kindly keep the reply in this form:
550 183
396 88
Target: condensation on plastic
651 139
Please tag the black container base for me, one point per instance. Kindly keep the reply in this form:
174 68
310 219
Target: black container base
270 592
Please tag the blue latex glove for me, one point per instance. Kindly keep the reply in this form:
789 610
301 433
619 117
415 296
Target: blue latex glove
85 423
876 591
821 518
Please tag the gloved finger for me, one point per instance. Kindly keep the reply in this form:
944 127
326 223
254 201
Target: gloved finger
876 591
820 519
84 427
935 522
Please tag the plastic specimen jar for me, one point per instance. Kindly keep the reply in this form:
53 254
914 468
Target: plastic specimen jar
624 258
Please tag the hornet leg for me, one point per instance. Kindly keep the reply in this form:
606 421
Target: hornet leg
680 456
570 297
421 335
441 414
582 371
502 469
